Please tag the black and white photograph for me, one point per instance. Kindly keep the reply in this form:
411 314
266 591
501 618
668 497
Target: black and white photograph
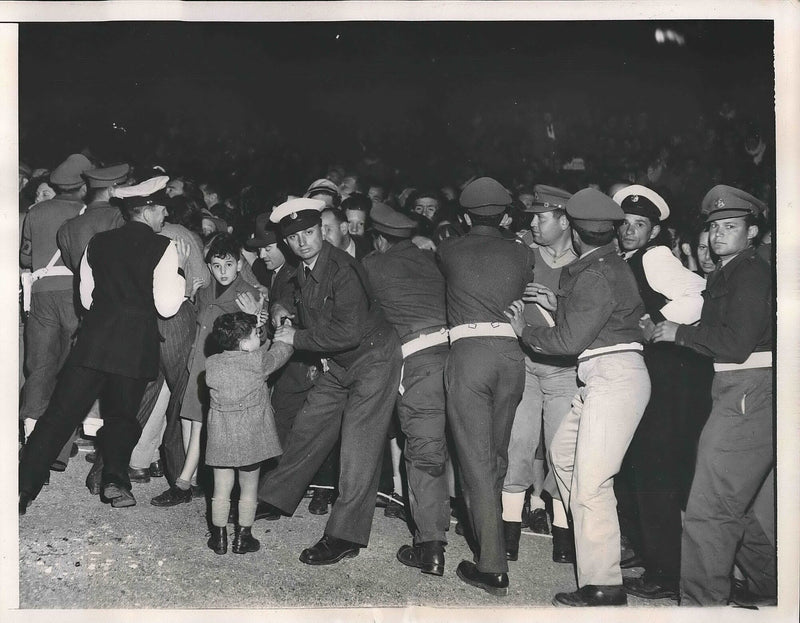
401 311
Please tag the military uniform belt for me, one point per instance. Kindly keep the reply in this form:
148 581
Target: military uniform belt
608 350
482 329
425 341
756 360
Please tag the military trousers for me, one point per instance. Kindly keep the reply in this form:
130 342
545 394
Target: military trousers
546 400
587 452
355 403
484 380
421 411
735 456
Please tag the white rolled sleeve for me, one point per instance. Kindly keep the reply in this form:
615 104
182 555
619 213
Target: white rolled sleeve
86 285
168 283
683 288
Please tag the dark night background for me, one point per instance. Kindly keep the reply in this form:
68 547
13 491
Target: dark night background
421 94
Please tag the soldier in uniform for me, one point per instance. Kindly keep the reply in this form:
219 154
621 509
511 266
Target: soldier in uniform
598 308
662 449
352 399
411 290
485 372
53 318
736 450
129 275
550 381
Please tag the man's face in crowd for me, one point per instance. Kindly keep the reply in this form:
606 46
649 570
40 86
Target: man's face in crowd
636 231
356 222
348 186
377 194
224 269
272 255
174 188
307 243
704 259
729 236
326 197
333 231
44 192
427 207
546 227
155 215
208 227
210 198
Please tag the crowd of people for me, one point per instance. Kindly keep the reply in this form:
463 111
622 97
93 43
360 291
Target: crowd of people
560 352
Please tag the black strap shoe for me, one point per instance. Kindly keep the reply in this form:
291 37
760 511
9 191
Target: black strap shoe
592 595
244 541
493 583
329 550
172 497
428 557
218 541
511 533
563 545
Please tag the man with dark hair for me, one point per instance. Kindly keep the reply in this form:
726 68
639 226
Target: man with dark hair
53 318
485 372
597 318
129 276
356 208
352 399
736 450
411 291
335 230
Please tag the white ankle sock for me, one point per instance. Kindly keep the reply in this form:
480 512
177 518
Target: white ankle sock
512 506
559 515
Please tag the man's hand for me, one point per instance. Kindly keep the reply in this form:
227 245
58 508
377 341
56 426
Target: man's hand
248 303
537 293
514 315
279 313
285 334
647 326
183 252
197 283
665 331
424 243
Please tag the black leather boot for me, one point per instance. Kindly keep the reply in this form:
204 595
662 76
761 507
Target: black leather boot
219 539
244 541
563 545
428 557
511 534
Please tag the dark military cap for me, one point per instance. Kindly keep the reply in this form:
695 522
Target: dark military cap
547 198
642 201
485 196
109 176
389 221
265 235
593 211
297 214
68 174
729 202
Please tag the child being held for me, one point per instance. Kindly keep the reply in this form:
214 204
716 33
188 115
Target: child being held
241 425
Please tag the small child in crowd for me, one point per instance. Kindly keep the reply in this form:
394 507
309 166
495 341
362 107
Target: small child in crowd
241 424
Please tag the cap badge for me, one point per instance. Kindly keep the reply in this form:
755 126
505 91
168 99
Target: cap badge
293 216
634 198
719 203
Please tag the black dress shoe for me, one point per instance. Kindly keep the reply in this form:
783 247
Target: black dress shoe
267 511
218 541
320 501
537 521
563 545
428 557
156 470
494 583
591 595
244 541
140 475
511 533
172 497
119 496
94 478
648 588
329 550
395 508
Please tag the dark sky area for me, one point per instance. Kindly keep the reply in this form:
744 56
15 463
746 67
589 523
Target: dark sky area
330 79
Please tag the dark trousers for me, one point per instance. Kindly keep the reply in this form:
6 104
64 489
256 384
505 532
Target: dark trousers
76 390
663 451
354 404
421 411
178 333
484 380
735 455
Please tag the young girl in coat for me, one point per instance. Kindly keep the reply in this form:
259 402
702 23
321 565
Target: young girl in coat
241 425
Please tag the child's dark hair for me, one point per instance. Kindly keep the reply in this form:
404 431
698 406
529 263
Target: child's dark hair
231 329
223 245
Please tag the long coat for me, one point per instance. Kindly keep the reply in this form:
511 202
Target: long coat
241 423
209 308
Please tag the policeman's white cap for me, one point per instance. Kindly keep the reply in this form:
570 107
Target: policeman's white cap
297 214
642 201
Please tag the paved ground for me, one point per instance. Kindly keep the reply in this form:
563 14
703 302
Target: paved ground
75 552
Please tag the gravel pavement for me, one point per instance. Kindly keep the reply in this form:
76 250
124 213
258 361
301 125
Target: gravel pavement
76 552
